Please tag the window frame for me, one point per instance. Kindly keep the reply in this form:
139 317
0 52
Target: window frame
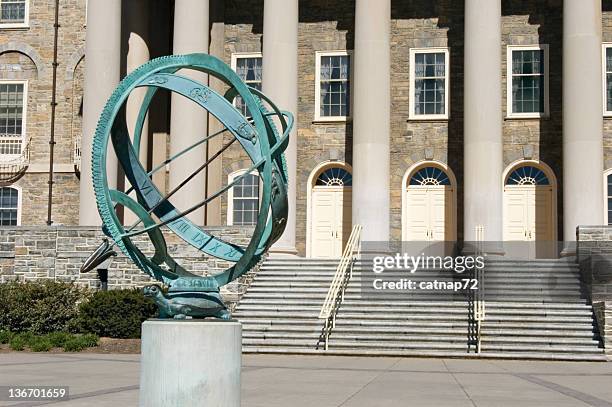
606 173
19 204
317 108
230 195
604 79
24 114
509 77
240 55
26 20
411 97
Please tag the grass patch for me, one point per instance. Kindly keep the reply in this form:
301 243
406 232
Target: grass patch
44 343
5 337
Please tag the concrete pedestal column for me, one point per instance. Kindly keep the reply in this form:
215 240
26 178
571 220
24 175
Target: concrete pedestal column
280 83
582 116
190 363
102 74
188 122
371 118
138 53
483 143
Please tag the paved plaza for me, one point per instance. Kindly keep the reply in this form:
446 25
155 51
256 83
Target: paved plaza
295 381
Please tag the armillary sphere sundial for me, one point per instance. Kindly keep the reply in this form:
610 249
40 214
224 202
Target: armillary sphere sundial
188 294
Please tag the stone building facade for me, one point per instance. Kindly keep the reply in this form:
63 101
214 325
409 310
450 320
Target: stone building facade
238 30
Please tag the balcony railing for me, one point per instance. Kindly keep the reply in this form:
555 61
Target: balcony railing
14 158
76 154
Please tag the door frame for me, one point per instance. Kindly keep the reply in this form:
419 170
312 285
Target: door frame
552 179
406 178
312 178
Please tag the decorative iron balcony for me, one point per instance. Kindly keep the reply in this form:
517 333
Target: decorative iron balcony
76 155
14 158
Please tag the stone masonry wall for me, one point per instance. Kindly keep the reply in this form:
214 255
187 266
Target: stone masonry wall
35 253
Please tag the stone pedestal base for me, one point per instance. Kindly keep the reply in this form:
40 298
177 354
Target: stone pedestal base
190 363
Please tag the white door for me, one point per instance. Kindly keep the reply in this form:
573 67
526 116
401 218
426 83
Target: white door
331 221
429 213
528 213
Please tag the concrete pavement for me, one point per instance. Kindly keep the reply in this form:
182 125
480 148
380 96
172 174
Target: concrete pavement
297 381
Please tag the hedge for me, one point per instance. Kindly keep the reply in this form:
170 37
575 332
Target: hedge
57 308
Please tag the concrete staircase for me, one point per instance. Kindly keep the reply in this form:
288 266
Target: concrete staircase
280 310
534 310
537 309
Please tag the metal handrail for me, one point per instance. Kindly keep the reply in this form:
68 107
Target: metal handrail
479 309
344 272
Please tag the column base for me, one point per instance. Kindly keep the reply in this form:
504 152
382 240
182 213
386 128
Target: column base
189 363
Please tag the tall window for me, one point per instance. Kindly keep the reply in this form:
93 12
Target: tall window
12 117
13 13
248 68
528 81
608 182
243 206
332 93
429 78
607 79
9 206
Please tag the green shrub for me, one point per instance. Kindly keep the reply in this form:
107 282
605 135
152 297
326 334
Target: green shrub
39 307
58 339
74 344
90 340
17 342
5 336
116 313
40 344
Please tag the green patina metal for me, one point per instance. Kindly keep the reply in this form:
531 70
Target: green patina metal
188 295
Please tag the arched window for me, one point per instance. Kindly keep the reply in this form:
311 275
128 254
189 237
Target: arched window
429 176
335 177
243 200
9 206
527 175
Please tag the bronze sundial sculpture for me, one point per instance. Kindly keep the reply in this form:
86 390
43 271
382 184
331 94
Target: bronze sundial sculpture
188 294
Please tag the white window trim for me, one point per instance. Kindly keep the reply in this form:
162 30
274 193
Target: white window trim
317 110
239 55
412 115
26 21
19 203
509 113
605 194
604 80
230 194
24 115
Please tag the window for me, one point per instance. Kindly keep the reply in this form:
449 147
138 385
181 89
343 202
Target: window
332 92
527 175
9 207
334 177
243 200
429 79
528 81
608 196
13 13
607 79
13 96
248 68
430 176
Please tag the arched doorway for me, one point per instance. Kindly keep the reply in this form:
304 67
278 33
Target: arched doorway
329 210
530 207
429 209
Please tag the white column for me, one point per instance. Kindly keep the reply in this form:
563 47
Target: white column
582 116
280 83
371 118
188 120
483 143
102 74
138 54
